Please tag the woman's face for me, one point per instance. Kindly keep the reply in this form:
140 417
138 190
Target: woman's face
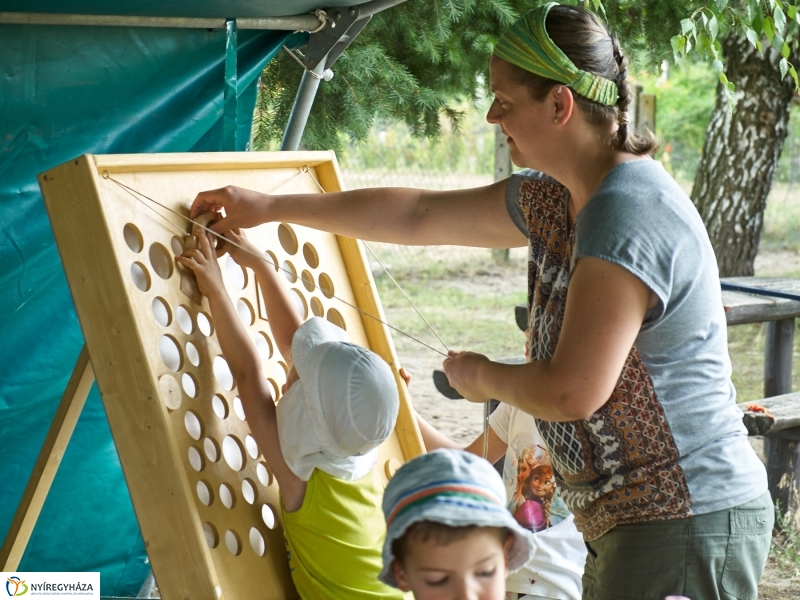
523 470
524 120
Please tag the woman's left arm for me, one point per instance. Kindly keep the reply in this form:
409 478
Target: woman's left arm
606 305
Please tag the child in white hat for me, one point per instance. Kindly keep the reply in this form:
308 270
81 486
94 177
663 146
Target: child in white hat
339 404
449 533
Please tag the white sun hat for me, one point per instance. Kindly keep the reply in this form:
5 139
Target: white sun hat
343 406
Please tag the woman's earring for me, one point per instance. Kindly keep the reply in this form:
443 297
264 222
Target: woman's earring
555 120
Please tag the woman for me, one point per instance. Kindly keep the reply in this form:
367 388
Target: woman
628 378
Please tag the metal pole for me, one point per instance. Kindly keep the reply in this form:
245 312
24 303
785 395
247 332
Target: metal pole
302 107
502 170
292 23
230 121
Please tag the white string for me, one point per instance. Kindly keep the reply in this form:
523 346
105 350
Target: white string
138 195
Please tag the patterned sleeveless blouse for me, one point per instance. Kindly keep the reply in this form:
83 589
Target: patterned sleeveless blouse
620 465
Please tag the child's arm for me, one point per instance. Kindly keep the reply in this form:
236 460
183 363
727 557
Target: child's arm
281 313
245 366
434 439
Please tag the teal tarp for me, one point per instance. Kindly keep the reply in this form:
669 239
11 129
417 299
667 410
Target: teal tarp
66 91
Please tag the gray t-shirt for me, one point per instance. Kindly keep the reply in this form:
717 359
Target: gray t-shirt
670 441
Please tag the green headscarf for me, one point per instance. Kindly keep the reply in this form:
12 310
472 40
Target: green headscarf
527 45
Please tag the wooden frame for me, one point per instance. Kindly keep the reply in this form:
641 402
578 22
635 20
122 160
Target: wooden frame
199 486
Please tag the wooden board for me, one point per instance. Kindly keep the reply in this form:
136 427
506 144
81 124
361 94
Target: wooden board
207 506
742 308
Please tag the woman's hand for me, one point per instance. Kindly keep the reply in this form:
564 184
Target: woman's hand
243 208
203 263
243 252
462 370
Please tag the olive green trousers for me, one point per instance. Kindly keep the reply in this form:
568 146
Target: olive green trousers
719 555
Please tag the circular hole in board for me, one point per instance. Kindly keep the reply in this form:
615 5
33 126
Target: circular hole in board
249 492
272 260
251 446
289 271
176 244
287 238
170 352
133 237
222 373
196 459
390 467
211 448
161 311
236 275
161 261
184 318
246 312
204 493
316 307
299 303
219 406
326 285
211 535
170 392
140 276
204 324
268 516
233 453
311 256
263 345
263 474
192 354
193 424
233 543
308 280
257 542
238 409
226 496
335 317
276 390
189 385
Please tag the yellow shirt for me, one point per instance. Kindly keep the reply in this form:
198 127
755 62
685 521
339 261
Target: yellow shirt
335 540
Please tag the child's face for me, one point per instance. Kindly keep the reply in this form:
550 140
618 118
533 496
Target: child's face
541 485
472 568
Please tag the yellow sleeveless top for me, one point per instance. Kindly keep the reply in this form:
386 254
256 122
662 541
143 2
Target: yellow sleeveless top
335 540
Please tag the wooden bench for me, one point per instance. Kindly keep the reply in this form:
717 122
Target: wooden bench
778 420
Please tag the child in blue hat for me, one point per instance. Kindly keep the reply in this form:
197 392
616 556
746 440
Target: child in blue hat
448 531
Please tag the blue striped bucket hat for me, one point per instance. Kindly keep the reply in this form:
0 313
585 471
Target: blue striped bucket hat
454 488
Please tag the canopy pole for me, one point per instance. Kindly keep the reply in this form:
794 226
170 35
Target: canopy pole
291 23
230 121
302 106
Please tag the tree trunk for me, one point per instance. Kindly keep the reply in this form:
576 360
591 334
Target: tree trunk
741 152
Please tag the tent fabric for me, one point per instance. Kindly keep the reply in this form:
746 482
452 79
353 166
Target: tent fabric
66 91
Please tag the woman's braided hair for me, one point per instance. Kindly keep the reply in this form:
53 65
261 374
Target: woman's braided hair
587 43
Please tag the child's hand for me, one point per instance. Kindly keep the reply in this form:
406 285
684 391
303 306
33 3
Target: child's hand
203 263
405 376
243 252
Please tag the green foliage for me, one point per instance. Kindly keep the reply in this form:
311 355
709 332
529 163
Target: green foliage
413 63
684 102
392 146
422 61
773 21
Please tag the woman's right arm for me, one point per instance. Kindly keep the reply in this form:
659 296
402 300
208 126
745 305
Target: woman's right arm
473 217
